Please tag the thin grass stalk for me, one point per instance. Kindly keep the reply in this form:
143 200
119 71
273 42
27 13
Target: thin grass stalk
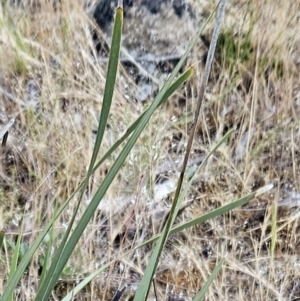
2 235
24 262
190 181
16 254
209 281
12 283
144 287
197 221
273 241
70 245
47 259
58 263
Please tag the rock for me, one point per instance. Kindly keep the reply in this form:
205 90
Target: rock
156 27
156 34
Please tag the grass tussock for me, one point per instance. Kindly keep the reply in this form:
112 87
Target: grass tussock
53 86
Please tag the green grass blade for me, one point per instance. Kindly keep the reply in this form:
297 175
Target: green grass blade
25 260
107 100
221 210
47 257
14 262
2 235
85 281
209 281
109 84
55 270
143 289
214 213
49 284
45 291
12 283
173 87
174 230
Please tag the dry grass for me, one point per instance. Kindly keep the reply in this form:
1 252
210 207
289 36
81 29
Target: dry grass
52 85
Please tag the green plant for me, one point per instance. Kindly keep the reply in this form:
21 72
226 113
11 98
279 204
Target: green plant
58 262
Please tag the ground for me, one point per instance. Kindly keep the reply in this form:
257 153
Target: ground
52 77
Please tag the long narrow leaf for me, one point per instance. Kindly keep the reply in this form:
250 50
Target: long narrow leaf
89 278
173 87
197 221
144 287
109 84
2 235
209 281
56 265
14 262
45 291
24 262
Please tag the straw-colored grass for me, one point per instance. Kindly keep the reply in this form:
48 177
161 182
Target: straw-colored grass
52 86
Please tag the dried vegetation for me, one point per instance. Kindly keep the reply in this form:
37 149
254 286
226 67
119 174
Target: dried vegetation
52 85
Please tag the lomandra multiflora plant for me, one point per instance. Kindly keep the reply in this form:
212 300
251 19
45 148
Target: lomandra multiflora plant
54 264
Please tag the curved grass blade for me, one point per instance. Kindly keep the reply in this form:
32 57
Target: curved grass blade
70 245
25 260
173 88
144 287
209 281
199 220
56 267
2 235
109 84
14 262
90 277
